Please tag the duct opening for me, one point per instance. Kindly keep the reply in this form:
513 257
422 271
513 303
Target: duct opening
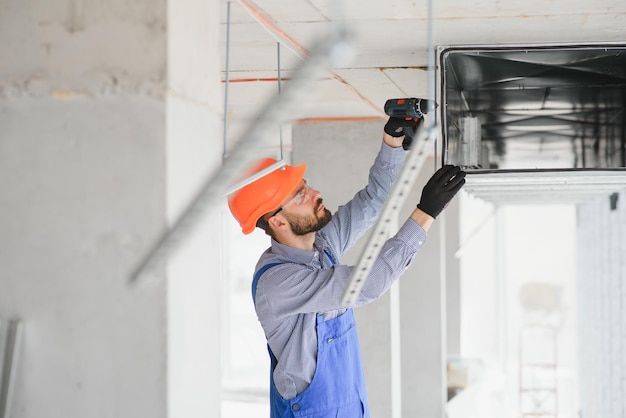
534 113
534 107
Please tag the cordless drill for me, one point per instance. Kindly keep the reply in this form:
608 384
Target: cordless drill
407 108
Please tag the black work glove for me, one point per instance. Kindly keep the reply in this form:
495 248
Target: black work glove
440 189
397 127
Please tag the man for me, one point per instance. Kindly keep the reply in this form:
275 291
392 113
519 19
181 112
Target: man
316 369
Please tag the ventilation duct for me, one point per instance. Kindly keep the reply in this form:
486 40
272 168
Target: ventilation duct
535 122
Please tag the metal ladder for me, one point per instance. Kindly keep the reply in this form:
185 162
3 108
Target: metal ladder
538 380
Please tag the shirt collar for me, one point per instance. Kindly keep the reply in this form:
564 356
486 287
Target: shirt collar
295 255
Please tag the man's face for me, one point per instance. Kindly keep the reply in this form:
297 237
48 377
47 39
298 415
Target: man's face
305 212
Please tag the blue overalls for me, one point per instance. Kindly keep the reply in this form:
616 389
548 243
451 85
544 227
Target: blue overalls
338 386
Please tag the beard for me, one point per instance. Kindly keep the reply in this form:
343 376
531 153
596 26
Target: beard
302 225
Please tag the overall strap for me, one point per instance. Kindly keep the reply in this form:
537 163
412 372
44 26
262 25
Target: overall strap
257 276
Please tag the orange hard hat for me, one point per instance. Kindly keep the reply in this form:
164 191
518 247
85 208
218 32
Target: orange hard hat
265 194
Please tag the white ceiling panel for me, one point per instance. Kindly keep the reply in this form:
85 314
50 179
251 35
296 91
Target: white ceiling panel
396 10
299 11
378 85
411 82
254 48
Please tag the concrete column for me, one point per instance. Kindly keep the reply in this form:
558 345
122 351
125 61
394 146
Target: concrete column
194 149
82 131
101 106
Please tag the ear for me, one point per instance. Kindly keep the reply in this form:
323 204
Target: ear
277 222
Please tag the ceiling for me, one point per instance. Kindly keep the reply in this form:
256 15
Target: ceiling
265 41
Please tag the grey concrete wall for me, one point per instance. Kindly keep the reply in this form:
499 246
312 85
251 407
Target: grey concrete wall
83 188
338 157
102 142
63 48
82 168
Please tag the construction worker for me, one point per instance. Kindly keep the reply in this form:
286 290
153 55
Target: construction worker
299 281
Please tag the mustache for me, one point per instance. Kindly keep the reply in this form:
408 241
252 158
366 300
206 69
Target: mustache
318 203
